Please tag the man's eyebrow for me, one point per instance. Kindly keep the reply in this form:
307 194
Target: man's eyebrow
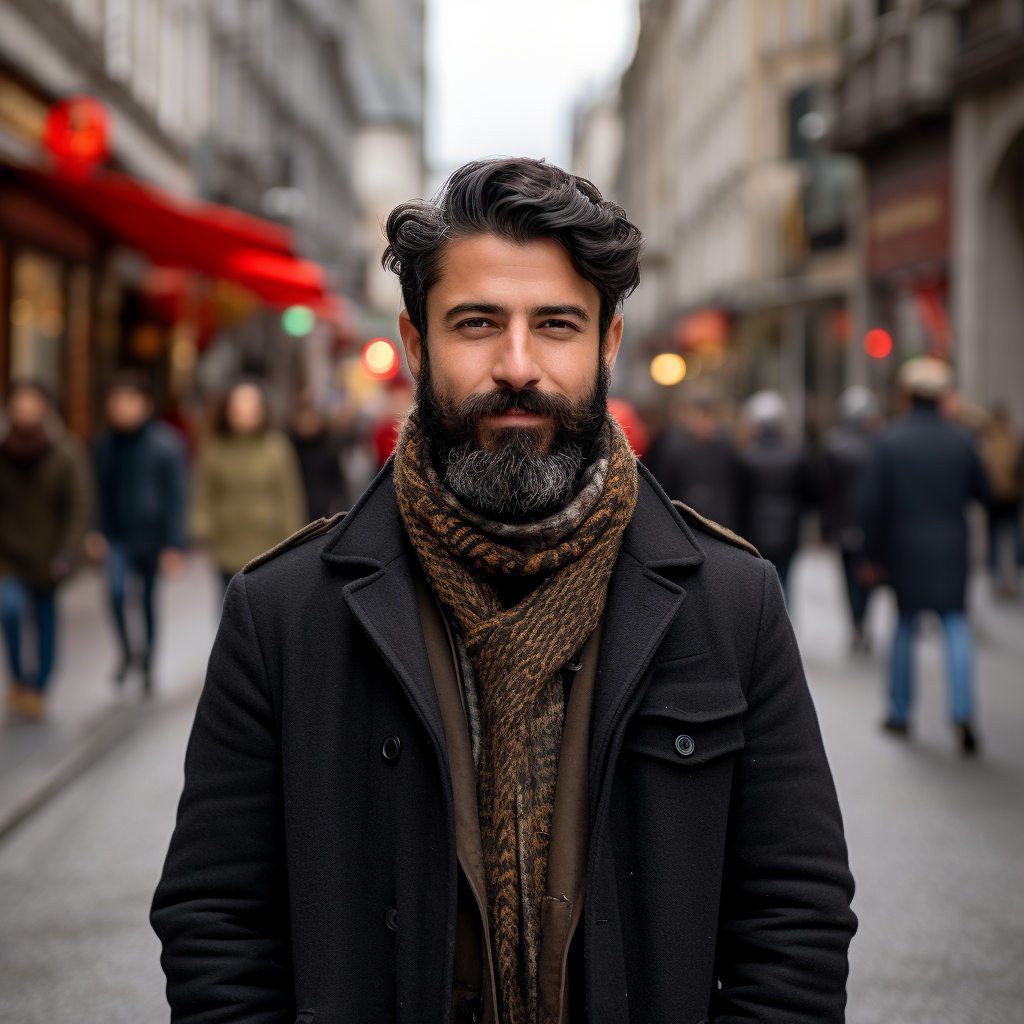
576 311
486 308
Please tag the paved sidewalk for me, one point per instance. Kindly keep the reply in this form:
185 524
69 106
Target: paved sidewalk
936 841
87 711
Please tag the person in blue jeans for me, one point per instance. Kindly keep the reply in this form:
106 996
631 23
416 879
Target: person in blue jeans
141 501
43 513
923 473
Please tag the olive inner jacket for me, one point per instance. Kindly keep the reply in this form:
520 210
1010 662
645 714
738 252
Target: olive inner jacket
312 875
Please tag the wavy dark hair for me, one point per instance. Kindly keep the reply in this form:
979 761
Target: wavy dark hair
521 200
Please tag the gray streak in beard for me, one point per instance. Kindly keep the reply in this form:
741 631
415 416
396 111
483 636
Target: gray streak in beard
513 480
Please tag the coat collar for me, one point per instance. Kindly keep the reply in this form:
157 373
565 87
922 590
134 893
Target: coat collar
642 600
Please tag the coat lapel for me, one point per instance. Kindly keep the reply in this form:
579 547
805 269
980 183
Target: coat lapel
641 605
384 601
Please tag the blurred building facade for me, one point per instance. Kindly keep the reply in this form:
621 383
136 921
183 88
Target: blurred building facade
260 105
931 98
726 114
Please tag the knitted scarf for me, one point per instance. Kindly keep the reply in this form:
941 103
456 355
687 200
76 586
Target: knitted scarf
517 655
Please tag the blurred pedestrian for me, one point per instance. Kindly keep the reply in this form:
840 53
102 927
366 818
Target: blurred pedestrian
248 484
1003 456
43 518
694 461
774 483
319 451
923 473
141 498
846 453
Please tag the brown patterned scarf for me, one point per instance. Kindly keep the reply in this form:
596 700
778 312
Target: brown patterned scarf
517 654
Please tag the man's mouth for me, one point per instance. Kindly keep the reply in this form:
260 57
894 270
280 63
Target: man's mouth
516 418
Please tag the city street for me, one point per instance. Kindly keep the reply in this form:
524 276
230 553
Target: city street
935 842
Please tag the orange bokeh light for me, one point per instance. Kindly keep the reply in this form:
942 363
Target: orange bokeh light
878 343
380 358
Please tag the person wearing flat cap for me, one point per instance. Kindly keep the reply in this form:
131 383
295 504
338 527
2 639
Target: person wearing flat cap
924 472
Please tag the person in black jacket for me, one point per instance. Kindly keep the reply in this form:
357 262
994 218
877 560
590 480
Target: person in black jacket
516 739
846 452
319 452
141 501
924 472
694 461
774 483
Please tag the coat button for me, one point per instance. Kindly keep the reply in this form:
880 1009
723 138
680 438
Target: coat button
392 748
684 745
391 919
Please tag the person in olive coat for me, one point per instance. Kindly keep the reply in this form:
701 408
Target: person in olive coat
248 485
516 739
924 472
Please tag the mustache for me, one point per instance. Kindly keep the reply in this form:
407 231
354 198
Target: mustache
502 401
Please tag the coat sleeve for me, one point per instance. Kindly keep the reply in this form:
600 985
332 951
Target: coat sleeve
200 521
176 497
786 923
874 498
221 908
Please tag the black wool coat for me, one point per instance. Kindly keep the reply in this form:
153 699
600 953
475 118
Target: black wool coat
923 473
312 875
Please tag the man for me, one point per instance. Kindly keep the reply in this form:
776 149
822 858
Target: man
43 515
511 741
924 472
774 484
693 460
141 490
846 452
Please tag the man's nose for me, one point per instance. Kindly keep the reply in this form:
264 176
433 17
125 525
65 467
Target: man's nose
516 366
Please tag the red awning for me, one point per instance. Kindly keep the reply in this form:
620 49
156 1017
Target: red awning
177 231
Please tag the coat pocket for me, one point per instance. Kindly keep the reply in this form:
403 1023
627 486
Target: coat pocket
687 721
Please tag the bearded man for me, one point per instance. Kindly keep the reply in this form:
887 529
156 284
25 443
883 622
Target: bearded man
516 740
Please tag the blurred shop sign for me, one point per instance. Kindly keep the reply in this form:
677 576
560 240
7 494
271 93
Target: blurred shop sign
909 218
702 329
22 114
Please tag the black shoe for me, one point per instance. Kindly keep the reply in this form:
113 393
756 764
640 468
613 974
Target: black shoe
896 727
968 741
147 681
122 670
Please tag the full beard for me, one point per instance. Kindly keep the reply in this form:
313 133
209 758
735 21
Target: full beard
515 474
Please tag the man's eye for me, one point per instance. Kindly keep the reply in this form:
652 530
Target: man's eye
560 325
476 322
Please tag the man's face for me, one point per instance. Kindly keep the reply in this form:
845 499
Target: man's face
512 383
128 408
27 409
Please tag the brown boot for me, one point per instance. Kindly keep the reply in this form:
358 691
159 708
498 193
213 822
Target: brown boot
16 697
33 704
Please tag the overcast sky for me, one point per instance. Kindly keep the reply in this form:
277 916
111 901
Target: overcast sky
503 76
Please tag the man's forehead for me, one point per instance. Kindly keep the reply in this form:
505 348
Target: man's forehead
488 268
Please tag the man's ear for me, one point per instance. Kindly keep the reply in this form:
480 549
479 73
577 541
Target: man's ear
413 343
612 341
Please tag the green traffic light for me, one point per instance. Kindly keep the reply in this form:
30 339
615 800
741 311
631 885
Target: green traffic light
298 320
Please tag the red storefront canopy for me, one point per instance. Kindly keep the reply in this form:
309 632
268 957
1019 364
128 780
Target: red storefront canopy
177 231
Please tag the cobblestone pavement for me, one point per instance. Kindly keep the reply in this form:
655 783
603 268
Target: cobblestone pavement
935 842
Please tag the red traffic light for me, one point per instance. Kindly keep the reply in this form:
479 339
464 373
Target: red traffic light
878 343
